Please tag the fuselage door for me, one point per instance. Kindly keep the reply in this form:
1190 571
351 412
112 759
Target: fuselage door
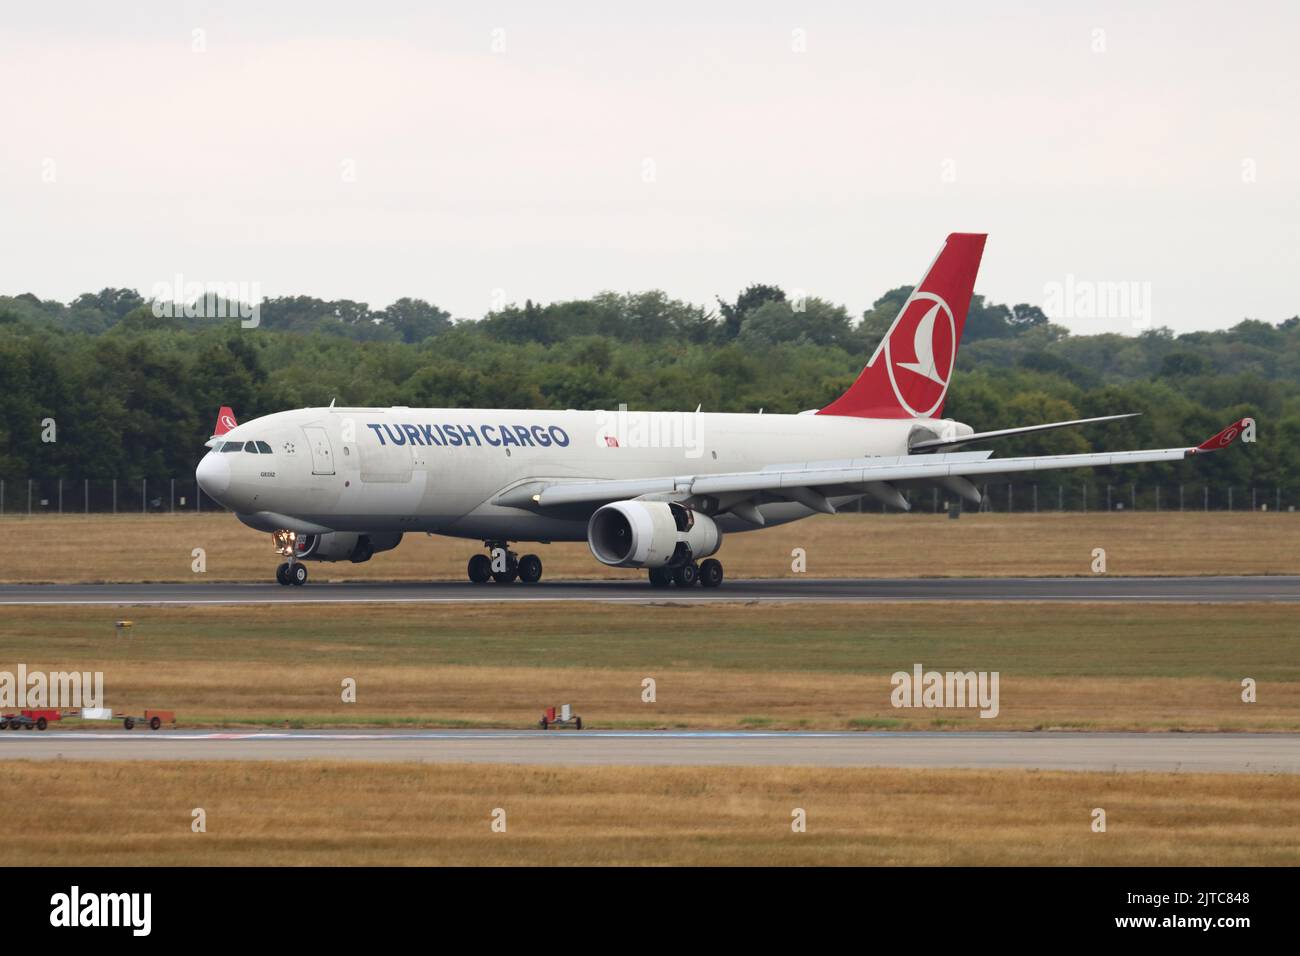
322 455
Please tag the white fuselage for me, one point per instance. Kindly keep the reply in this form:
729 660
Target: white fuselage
439 470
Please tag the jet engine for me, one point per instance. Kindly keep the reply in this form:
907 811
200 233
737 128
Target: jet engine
651 534
343 546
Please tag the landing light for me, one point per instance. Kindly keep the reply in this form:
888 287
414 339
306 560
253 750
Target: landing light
283 541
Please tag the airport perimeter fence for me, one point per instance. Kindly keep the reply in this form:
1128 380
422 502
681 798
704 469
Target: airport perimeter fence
45 496
1085 496
182 495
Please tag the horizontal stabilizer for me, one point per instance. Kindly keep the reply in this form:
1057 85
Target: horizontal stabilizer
935 443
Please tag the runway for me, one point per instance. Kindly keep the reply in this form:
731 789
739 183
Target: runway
1216 590
1157 752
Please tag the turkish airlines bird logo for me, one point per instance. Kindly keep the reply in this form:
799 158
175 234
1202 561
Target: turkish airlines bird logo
225 421
920 352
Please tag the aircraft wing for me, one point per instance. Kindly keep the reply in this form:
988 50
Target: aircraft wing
811 483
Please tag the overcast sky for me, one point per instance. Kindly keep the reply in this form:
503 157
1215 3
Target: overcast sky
504 151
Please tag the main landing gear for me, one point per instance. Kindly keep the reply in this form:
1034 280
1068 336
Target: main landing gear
707 573
504 566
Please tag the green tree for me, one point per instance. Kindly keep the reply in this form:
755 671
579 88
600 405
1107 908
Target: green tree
414 320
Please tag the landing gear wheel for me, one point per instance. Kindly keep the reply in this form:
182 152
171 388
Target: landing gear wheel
530 569
480 568
510 573
282 574
686 575
660 577
298 575
710 573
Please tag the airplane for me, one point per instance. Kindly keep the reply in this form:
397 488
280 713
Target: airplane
656 491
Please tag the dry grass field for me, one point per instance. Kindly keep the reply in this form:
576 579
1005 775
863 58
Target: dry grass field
1094 667
1085 667
285 814
76 548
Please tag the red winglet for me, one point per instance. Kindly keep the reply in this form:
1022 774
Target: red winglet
1225 437
225 421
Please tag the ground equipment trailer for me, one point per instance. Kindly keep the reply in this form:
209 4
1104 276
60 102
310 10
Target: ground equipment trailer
154 719
566 718
38 718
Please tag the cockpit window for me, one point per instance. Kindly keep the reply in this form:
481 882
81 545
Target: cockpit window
251 447
230 446
264 448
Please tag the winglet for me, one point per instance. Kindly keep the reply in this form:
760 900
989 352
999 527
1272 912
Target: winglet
1224 438
225 421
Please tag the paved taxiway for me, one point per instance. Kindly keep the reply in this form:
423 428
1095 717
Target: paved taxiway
1160 752
1103 589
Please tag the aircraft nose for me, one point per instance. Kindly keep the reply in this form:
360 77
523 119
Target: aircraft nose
213 475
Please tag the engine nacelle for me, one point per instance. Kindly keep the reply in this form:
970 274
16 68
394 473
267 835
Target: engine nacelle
343 546
651 534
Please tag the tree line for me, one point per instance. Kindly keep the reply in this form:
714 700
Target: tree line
134 394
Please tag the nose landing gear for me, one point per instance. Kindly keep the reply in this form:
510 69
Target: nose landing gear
291 572
503 566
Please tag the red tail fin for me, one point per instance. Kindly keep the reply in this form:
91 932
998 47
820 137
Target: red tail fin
909 373
225 421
